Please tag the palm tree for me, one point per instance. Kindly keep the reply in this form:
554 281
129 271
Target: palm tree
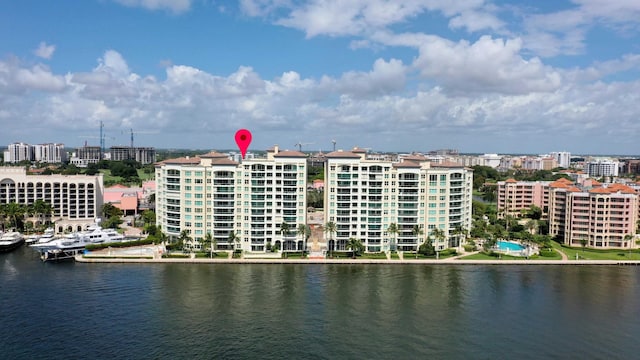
3 214
42 209
460 232
14 211
393 231
330 228
285 230
440 236
233 238
184 238
355 246
208 239
302 231
532 226
583 242
417 231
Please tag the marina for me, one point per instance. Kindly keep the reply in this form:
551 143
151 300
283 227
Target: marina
67 246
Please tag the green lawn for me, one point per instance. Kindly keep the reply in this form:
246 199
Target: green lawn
108 178
378 256
591 254
483 256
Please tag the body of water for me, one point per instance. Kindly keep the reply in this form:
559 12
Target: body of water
242 311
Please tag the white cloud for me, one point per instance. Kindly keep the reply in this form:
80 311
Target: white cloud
361 17
45 51
564 32
482 89
175 6
15 79
488 65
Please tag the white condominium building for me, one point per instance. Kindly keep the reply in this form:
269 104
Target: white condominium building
563 158
46 153
17 152
601 167
50 153
242 205
364 197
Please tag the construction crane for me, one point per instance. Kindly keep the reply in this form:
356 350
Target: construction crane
300 144
139 132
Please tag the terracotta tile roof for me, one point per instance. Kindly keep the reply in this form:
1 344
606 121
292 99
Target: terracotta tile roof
415 157
511 180
343 154
223 161
406 164
600 190
358 150
447 164
181 161
214 154
289 153
559 184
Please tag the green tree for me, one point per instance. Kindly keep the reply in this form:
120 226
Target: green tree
149 217
355 245
460 232
285 230
15 212
233 239
330 228
417 231
489 243
302 231
427 248
43 210
184 239
209 240
112 222
532 226
440 236
108 211
584 242
534 212
392 230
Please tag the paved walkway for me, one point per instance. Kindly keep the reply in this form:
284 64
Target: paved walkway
564 256
136 257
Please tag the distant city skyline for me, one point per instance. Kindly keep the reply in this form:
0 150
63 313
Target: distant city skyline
478 76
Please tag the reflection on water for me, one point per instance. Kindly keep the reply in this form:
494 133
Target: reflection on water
315 311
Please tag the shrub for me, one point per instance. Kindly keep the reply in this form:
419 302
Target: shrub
448 252
119 244
547 253
469 248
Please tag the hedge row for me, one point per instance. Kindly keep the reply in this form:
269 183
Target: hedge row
119 244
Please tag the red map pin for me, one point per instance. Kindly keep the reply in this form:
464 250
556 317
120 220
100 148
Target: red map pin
243 139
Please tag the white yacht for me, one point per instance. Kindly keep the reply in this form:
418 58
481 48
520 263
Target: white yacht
10 241
39 239
78 240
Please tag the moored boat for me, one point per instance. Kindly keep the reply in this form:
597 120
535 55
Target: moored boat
47 236
10 241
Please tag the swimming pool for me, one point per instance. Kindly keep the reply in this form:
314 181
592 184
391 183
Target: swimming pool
509 246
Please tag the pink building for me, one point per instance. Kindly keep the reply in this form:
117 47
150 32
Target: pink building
602 216
514 197
124 198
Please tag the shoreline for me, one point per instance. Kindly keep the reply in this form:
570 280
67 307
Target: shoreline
115 259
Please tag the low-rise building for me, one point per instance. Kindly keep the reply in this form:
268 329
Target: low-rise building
76 200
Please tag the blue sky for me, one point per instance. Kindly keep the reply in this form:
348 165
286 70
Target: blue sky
402 75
